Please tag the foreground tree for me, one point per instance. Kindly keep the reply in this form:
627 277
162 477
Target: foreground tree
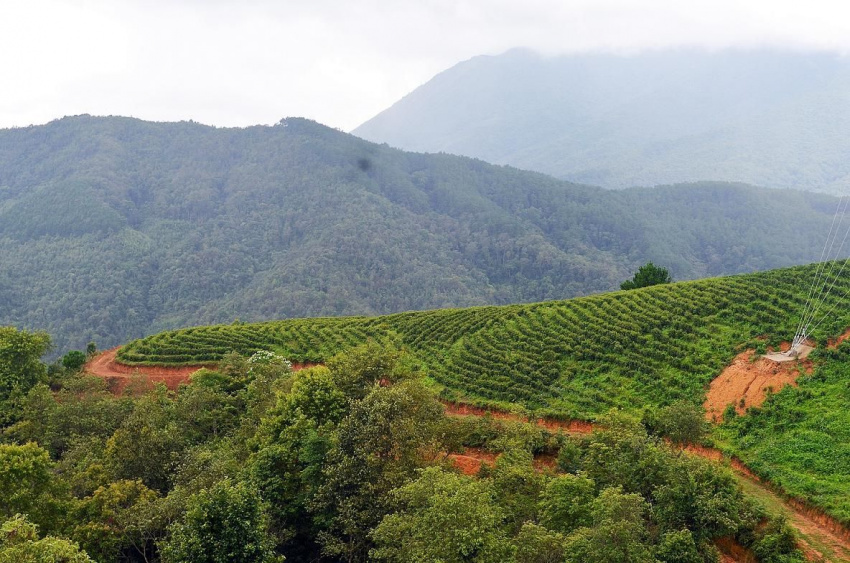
20 366
19 543
378 446
28 484
648 274
223 525
443 517
618 533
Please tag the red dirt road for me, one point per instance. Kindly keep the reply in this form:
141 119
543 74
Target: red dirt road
810 522
118 376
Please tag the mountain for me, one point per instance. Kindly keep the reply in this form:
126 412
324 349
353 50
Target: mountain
772 118
113 228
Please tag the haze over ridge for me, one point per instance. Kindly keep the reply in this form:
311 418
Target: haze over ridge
761 116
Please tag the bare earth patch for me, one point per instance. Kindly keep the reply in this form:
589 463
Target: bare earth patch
119 376
747 381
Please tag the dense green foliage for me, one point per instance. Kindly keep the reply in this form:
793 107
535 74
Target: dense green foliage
20 354
113 228
251 462
576 358
800 437
222 525
647 275
19 543
766 117
20 366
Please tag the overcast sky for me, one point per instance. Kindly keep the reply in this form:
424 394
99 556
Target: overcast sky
340 62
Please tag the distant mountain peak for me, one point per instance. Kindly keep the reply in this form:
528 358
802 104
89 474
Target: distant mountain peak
761 116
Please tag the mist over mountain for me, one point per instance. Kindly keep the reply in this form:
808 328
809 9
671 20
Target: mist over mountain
771 118
112 228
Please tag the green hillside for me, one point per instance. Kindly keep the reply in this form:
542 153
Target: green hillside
578 358
574 358
800 437
774 118
115 228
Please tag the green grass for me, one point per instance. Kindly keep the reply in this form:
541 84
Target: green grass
574 358
799 439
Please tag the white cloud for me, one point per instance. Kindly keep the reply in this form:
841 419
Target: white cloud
339 62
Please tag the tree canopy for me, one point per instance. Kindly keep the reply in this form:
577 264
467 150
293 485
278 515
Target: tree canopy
648 274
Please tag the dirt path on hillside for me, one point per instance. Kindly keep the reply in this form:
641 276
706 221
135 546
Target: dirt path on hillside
118 376
821 536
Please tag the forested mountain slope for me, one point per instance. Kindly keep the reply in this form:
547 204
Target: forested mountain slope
771 118
112 228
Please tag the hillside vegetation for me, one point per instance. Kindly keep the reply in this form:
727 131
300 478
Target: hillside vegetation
573 358
114 228
766 117
350 462
636 350
800 437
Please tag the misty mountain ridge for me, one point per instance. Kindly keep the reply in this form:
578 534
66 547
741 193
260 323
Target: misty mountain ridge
763 117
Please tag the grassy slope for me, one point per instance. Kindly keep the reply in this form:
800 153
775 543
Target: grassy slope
800 438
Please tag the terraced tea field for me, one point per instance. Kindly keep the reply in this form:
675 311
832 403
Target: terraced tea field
573 358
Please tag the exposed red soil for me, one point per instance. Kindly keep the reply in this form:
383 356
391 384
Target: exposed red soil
820 521
552 424
471 460
120 376
545 462
747 381
750 380
733 552
834 342
468 465
717 455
